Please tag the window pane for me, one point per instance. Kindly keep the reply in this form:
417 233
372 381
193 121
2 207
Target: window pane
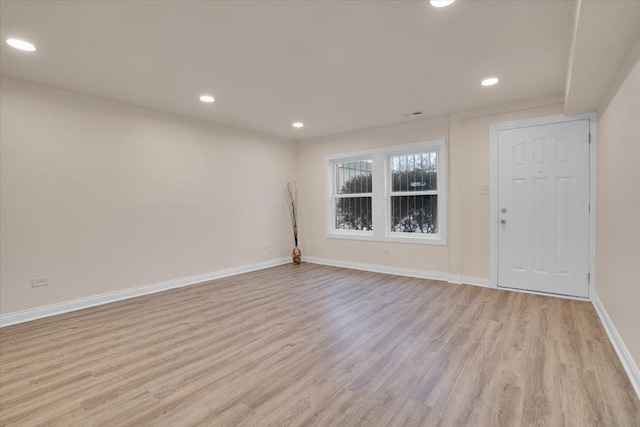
414 172
353 213
353 177
414 214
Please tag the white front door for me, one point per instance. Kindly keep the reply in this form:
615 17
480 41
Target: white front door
543 208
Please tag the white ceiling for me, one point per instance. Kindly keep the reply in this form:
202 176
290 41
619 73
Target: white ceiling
336 66
604 35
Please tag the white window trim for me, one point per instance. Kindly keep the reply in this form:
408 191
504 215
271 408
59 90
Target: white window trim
381 196
331 202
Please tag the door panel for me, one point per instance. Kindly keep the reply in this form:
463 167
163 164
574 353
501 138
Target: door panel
543 197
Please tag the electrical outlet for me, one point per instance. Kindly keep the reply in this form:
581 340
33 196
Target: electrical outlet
484 190
267 246
39 281
386 251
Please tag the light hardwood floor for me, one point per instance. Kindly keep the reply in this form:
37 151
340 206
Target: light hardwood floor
315 345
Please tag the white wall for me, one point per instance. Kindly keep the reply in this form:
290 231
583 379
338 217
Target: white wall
618 210
311 188
101 196
472 139
467 133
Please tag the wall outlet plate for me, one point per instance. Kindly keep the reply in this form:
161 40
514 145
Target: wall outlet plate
267 246
37 282
484 190
386 251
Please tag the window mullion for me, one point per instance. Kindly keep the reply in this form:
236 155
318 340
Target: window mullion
378 202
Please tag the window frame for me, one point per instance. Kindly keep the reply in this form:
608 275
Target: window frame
334 195
381 194
389 193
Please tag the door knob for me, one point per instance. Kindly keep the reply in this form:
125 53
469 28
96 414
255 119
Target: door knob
503 221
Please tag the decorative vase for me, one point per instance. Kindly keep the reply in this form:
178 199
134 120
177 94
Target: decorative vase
296 255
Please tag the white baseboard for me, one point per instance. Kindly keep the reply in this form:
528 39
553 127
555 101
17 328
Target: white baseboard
64 307
398 271
625 357
94 300
470 280
425 274
623 353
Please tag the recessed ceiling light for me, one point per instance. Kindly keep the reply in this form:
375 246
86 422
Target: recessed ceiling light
206 98
298 125
490 81
441 3
21 44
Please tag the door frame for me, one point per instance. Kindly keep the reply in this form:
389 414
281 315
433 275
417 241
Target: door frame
494 128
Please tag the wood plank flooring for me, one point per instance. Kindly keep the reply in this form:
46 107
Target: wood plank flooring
316 345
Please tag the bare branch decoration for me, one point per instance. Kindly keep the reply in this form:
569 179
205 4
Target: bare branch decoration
290 191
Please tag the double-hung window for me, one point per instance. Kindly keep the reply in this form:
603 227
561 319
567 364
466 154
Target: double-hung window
413 192
395 194
352 194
